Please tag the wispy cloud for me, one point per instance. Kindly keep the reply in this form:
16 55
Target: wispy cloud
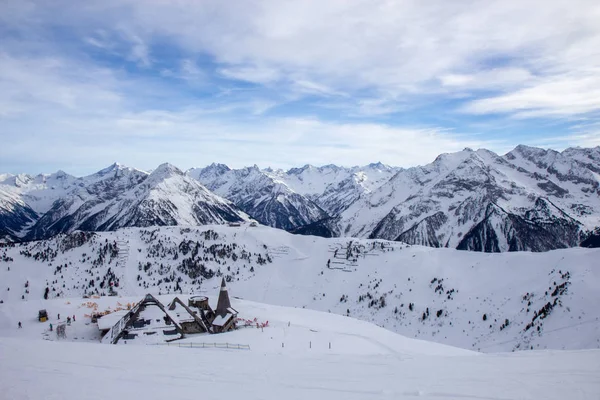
555 96
297 82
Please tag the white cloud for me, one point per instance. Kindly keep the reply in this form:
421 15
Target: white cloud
251 74
395 49
361 58
139 51
496 78
402 47
82 117
35 84
558 96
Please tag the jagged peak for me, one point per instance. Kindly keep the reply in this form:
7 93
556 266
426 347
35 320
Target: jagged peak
218 167
114 167
451 160
526 150
249 170
297 171
166 170
18 180
115 170
330 166
378 165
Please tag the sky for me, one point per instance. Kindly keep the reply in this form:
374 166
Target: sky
285 83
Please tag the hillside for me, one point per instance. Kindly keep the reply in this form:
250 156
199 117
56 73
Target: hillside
510 301
300 354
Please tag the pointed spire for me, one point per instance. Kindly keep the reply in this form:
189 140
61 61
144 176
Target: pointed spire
223 303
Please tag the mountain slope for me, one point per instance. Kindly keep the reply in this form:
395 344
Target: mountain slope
261 195
529 199
487 302
120 197
438 204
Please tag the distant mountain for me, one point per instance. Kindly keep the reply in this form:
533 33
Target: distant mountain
260 194
115 197
529 199
336 188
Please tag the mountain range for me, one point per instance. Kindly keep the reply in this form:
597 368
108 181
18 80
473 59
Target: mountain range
528 199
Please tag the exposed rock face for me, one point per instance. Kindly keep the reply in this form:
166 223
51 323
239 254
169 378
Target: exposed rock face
592 239
261 195
529 199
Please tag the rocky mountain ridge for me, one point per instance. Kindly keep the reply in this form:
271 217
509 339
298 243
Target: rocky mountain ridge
528 199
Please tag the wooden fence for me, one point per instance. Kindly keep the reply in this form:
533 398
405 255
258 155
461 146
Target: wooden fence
207 345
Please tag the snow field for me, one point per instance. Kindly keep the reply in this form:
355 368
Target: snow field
462 287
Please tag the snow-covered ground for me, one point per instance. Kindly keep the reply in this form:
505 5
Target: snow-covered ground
302 353
454 297
290 359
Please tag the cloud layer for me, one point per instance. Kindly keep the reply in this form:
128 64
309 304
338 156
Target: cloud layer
284 83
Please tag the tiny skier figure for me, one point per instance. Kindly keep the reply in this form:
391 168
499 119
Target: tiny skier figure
50 327
68 320
73 317
20 326
58 316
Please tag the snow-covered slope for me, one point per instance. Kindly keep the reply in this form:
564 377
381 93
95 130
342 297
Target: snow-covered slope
262 195
477 200
301 354
23 198
119 196
336 188
487 302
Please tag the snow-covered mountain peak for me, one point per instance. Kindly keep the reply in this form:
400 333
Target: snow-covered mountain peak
210 172
378 166
19 180
298 171
110 169
437 204
116 176
164 171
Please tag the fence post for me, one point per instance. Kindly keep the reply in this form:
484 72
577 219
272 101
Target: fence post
329 345
190 345
310 345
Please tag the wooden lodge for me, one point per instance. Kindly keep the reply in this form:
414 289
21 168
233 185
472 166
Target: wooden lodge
151 322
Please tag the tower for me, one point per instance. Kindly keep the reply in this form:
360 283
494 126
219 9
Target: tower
223 304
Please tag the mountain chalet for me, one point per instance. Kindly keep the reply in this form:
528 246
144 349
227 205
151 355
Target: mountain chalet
149 321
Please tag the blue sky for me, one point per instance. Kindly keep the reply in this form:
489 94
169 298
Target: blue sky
285 83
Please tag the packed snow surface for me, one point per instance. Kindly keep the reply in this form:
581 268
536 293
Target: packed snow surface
300 354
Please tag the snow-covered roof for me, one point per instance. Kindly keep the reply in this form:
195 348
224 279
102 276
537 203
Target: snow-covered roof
109 320
222 321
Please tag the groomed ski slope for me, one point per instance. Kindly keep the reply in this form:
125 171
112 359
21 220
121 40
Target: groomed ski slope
364 362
